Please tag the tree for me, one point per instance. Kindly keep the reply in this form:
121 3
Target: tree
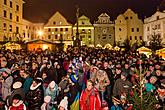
155 42
126 44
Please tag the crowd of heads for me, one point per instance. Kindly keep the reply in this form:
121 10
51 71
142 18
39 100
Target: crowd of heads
50 78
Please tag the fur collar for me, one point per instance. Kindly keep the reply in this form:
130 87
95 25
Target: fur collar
33 88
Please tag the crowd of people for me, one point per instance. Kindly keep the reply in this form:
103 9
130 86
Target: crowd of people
81 78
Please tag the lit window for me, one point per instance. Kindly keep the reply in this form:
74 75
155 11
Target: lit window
52 32
60 22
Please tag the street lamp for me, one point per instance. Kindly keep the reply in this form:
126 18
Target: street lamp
40 33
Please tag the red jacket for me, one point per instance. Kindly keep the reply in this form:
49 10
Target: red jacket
19 106
94 100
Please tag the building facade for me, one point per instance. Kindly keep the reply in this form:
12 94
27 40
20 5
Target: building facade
128 26
154 25
58 30
104 31
11 12
85 30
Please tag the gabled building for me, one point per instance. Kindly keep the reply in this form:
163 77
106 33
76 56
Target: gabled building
86 31
58 30
128 26
11 13
154 25
104 30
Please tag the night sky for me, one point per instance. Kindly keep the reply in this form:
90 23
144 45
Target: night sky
41 10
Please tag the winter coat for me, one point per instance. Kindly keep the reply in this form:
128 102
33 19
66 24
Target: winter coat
19 106
35 97
121 87
102 80
54 93
14 92
6 87
26 85
52 74
94 100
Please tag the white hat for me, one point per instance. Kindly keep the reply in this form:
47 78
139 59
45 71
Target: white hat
64 103
17 85
52 84
47 99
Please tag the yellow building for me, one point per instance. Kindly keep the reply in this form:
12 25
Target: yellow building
58 30
128 26
11 20
86 31
104 30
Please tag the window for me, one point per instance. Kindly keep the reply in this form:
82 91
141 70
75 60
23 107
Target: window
135 37
17 7
89 30
55 36
61 29
140 37
119 29
10 28
54 22
157 17
4 13
83 30
10 15
17 19
137 29
89 36
131 17
90 42
148 28
49 36
49 29
120 21
56 29
132 29
130 37
126 18
158 26
83 22
17 30
5 2
11 4
4 26
66 29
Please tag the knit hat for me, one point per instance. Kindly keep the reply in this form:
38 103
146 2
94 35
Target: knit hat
17 96
52 84
74 78
47 99
64 103
17 85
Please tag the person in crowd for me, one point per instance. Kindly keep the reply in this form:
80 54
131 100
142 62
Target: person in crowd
122 85
27 80
52 90
90 98
63 104
6 81
35 96
17 103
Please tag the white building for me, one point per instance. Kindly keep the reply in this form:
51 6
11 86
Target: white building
128 26
11 12
154 25
104 30
57 30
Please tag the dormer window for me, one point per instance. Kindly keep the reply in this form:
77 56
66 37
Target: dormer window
54 22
